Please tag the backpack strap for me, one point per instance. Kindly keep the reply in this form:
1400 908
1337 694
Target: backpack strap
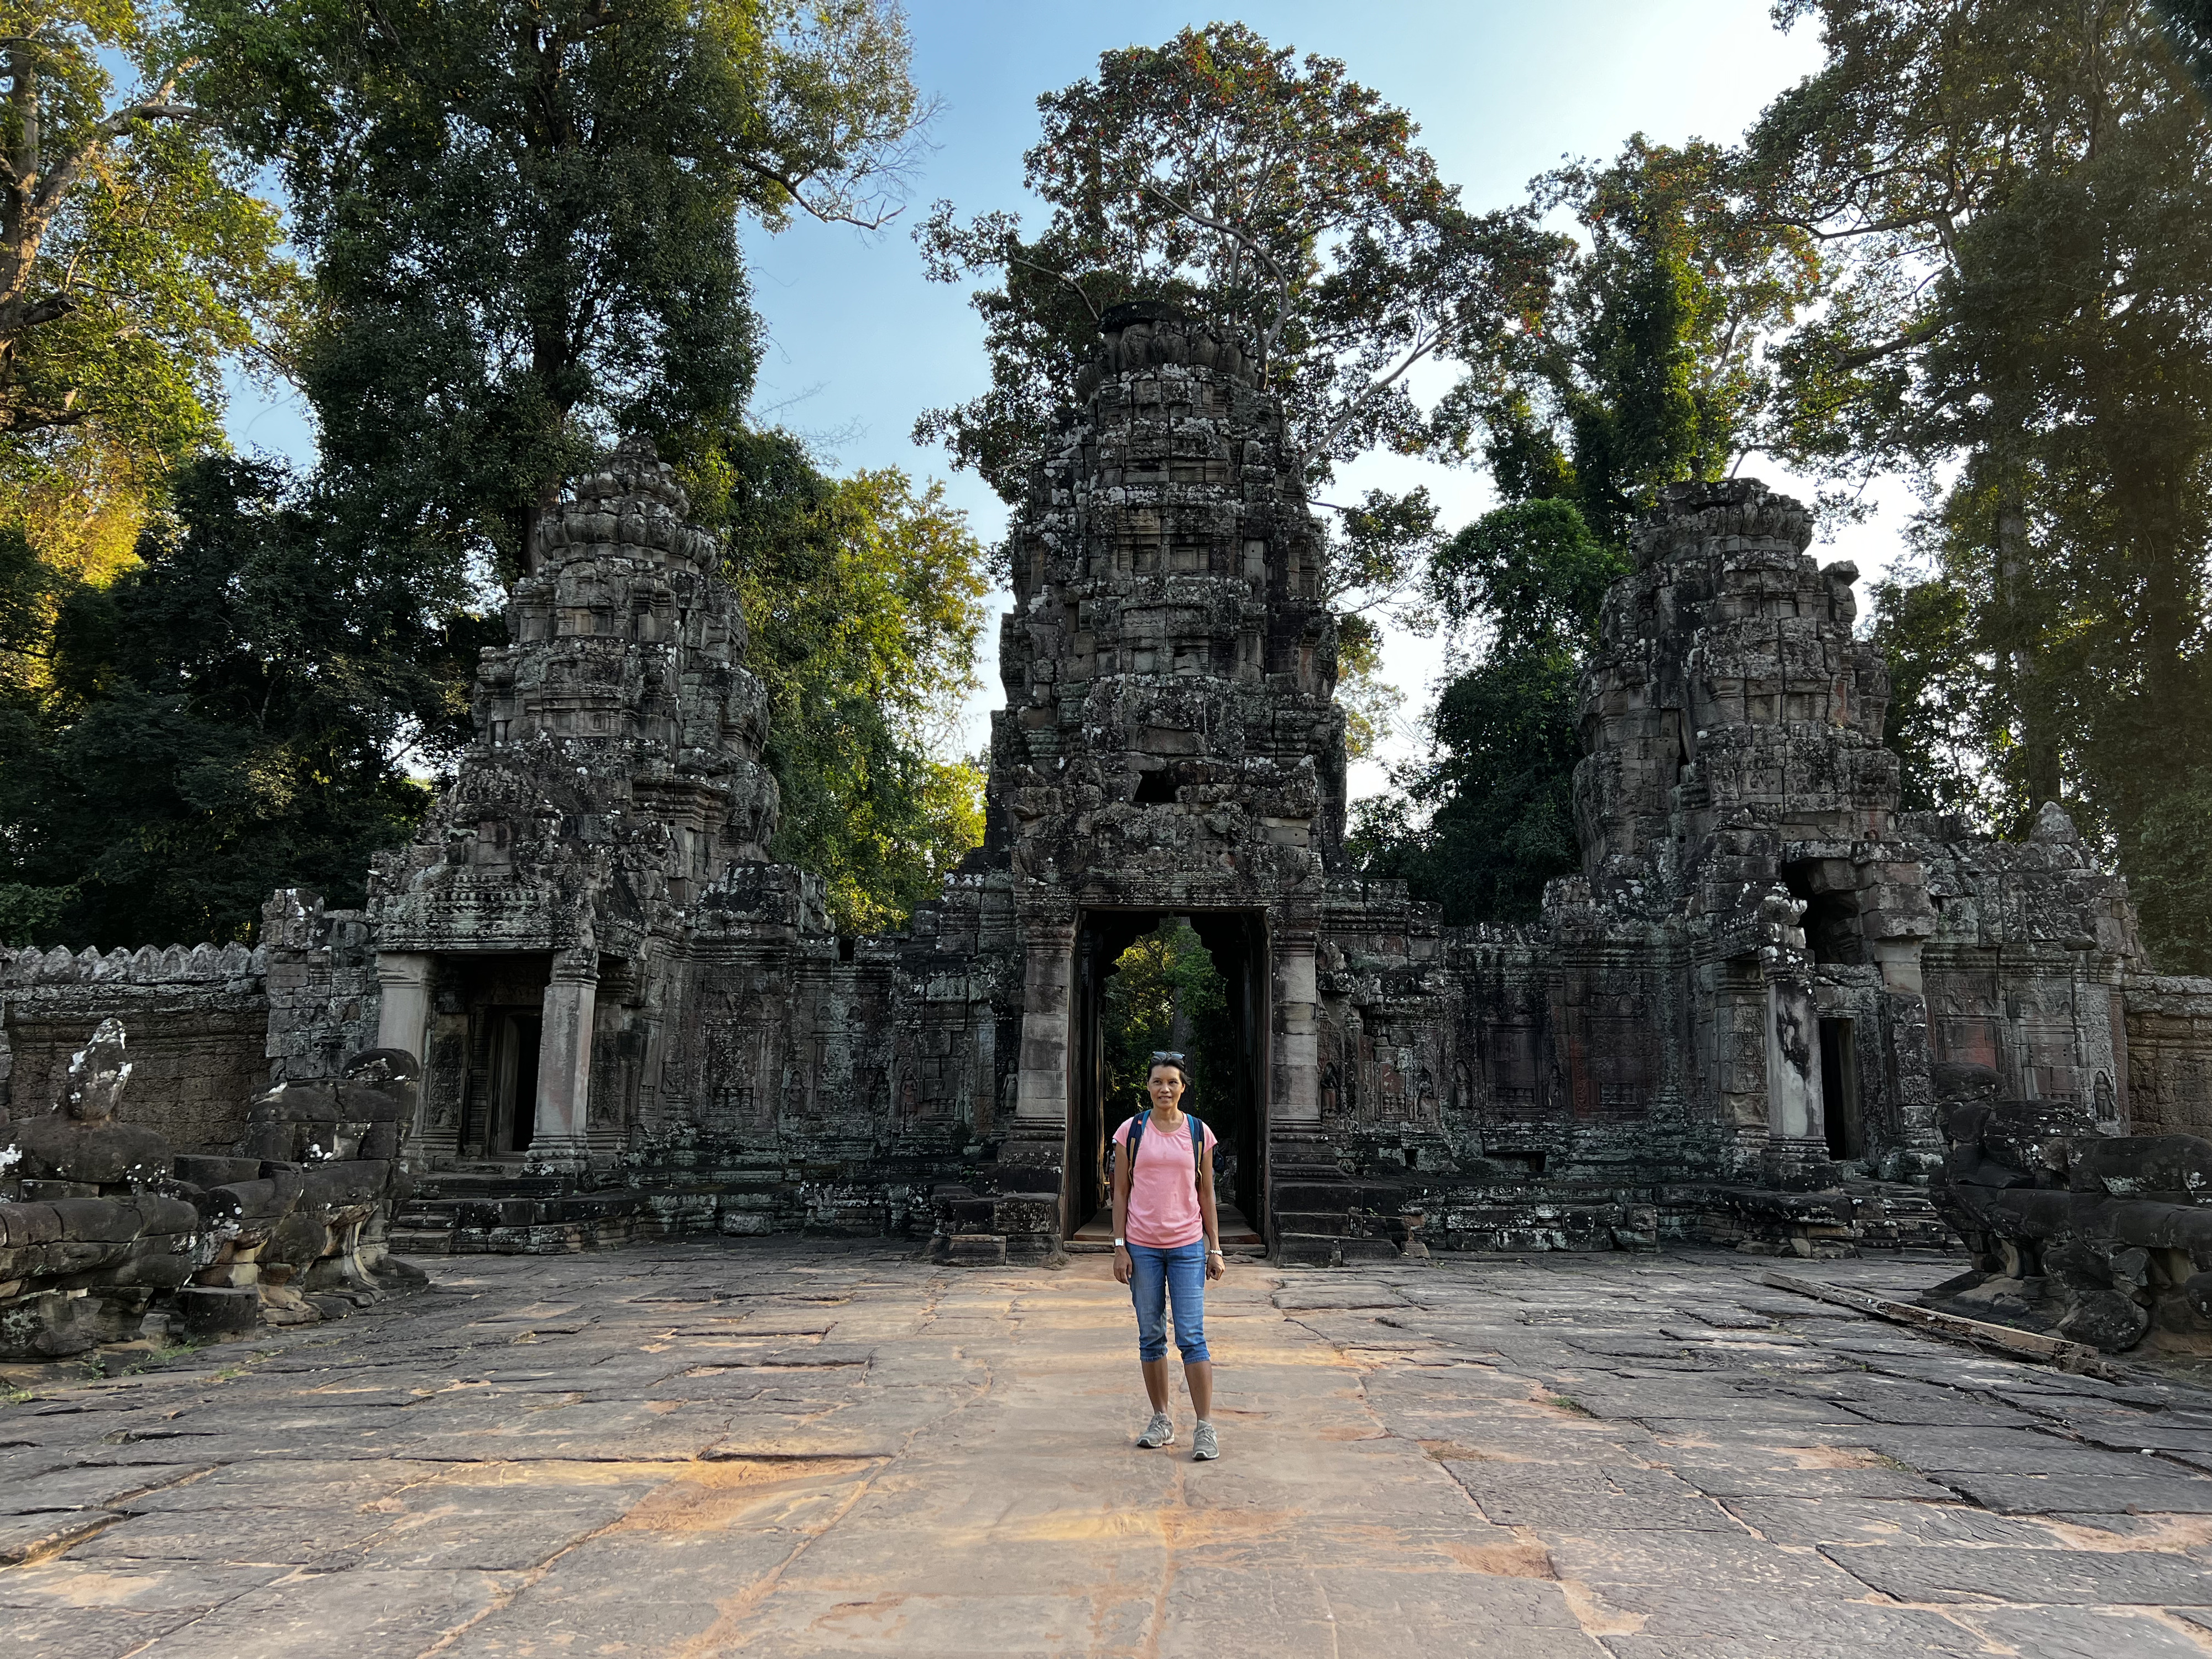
1136 1135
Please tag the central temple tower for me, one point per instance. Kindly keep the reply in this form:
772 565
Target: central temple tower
1169 746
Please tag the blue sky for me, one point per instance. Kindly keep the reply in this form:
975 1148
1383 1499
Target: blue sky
858 343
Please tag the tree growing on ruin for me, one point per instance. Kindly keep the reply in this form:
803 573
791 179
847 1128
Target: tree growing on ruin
1644 365
1272 196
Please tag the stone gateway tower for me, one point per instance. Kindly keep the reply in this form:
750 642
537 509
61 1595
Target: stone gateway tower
1169 745
1742 1021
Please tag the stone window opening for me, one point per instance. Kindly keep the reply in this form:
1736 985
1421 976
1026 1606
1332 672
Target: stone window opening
1156 788
1830 921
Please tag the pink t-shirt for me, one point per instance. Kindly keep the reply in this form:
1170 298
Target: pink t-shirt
1164 1209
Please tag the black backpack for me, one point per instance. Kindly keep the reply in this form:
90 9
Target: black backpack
1198 1134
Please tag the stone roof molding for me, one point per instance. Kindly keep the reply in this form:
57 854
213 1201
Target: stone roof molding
629 507
1721 517
177 965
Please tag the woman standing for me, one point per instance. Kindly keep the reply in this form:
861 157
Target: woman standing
1167 1243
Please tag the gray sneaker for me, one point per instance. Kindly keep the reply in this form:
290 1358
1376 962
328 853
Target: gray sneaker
1160 1432
1203 1448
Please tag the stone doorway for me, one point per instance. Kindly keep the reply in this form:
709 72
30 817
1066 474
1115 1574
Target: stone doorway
486 1041
1229 1041
1841 1120
516 1033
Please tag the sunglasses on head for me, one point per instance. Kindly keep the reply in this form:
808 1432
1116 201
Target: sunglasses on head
1159 1054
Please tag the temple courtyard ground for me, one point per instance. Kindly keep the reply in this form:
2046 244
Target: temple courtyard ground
777 1448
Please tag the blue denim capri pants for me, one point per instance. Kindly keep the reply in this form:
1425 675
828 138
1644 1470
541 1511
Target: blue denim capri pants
1157 1276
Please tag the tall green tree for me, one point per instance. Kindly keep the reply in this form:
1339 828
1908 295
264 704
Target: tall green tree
134 263
1273 196
1644 366
2019 201
238 707
524 221
864 596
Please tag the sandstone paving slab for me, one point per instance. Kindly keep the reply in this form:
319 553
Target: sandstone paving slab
241 1537
283 1483
1625 1499
1809 1522
1922 1636
2009 1494
68 1584
1930 1409
368 1613
620 1430
2059 1578
1424 1612
1998 1451
33 1537
1622 1564
90 1488
2080 1633
81 1632
1693 1622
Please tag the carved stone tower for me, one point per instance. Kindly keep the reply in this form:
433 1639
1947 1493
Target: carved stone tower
1170 745
1736 778
614 776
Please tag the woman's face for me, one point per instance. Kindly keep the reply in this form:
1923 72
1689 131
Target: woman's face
1165 1086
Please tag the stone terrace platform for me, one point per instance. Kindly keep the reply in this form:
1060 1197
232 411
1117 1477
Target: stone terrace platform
779 1449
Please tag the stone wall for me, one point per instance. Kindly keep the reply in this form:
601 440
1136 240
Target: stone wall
198 1021
2168 1036
321 986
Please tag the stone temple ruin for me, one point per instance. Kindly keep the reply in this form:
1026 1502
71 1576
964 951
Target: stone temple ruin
1743 1021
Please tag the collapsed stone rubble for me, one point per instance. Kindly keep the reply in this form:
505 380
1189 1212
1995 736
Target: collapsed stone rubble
633 1021
2105 1238
102 1225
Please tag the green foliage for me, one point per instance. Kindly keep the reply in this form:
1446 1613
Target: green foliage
1165 994
864 600
1532 572
133 263
524 221
1940 695
1643 363
1274 197
2171 879
1371 704
2019 203
1497 786
2188 25
230 713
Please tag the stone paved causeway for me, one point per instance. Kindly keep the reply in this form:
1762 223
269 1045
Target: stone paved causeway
779 1448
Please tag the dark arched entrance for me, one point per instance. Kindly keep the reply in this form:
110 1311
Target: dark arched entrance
1236 1109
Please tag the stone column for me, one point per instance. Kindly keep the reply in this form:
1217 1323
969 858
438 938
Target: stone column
1048 967
1296 1103
402 1017
564 1061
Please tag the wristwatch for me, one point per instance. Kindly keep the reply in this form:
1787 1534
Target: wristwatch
1120 1244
